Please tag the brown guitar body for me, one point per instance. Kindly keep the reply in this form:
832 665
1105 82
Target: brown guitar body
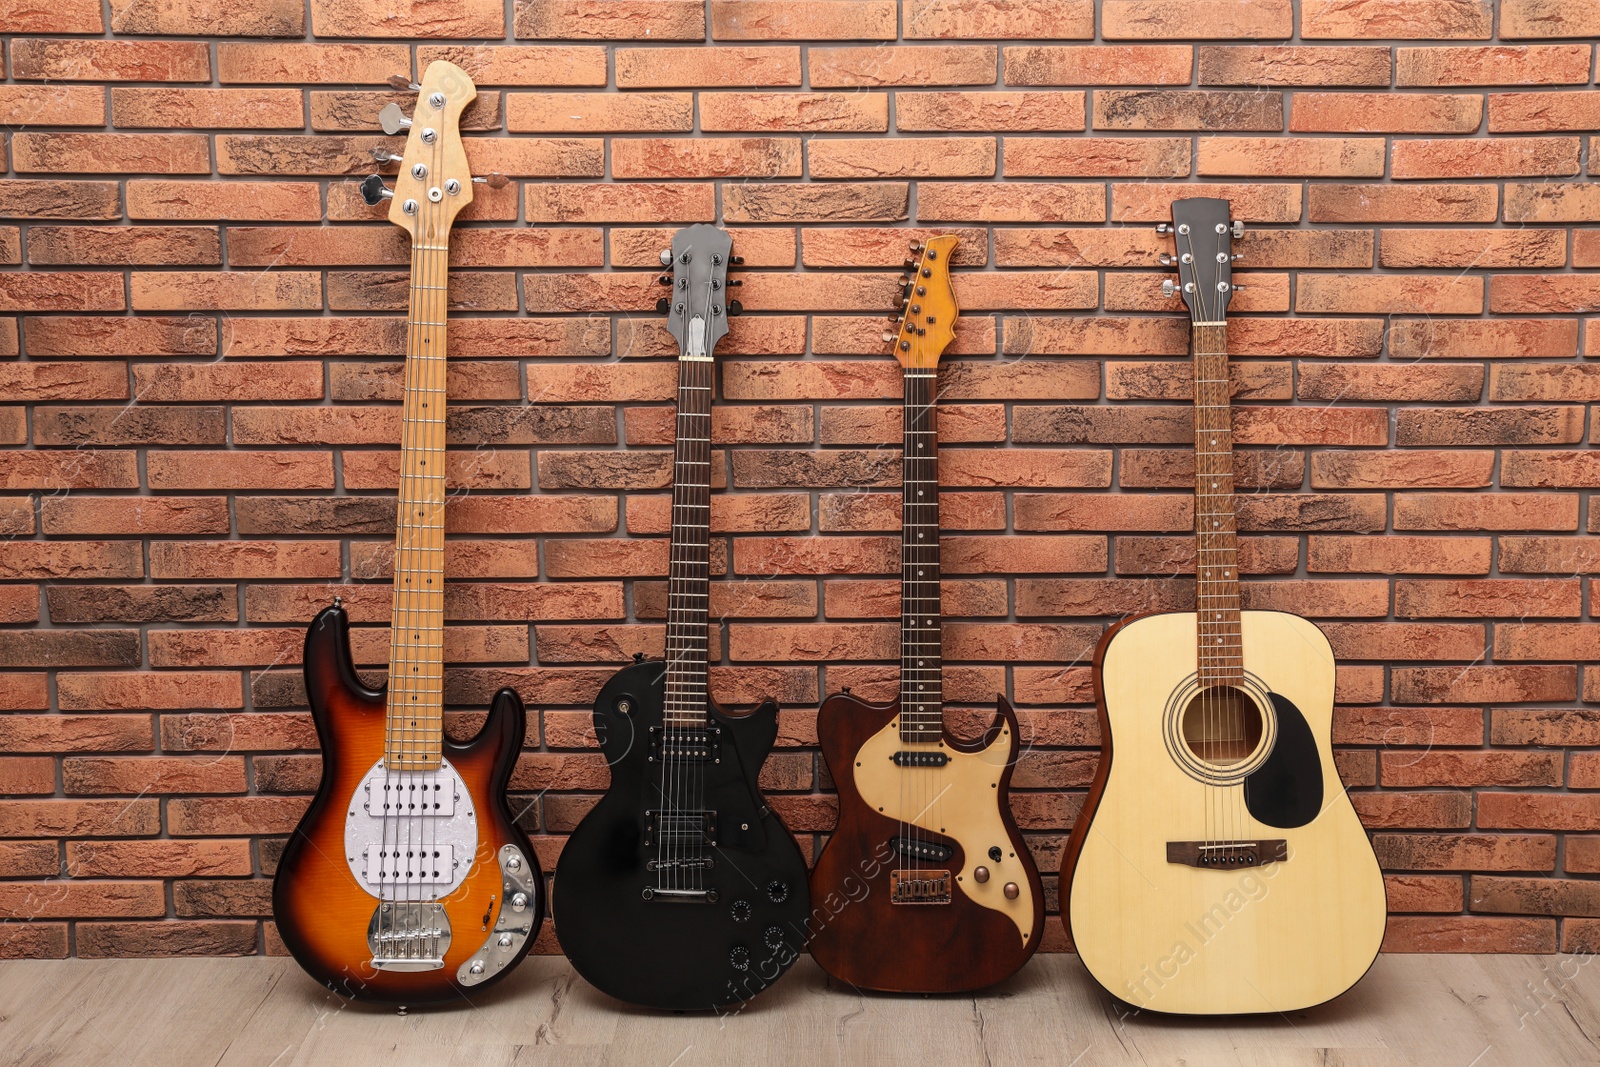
983 935
322 910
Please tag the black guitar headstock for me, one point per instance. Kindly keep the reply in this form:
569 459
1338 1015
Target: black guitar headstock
1203 231
698 309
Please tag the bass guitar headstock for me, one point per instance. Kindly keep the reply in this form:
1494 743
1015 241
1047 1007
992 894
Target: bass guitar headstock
1204 233
434 182
697 271
927 303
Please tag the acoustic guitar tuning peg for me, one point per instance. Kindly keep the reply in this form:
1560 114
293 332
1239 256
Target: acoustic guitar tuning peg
663 305
1162 227
666 257
383 155
393 120
1238 229
1167 288
494 180
373 191
735 309
401 82
1164 259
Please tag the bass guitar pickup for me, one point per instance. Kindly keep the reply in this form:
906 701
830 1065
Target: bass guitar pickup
1227 855
698 745
917 849
920 759
680 827
919 887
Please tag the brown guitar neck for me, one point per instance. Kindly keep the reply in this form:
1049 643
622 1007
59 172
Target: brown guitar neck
689 581
1216 536
415 726
921 703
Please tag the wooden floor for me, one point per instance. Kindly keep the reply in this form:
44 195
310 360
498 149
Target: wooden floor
1450 1011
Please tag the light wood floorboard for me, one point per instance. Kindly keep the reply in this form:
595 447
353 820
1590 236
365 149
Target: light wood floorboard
1432 1011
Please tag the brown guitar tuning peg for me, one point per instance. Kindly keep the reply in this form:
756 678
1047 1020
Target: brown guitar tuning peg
916 246
403 83
494 180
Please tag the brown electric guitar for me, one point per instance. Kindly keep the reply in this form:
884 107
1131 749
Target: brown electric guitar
407 880
925 886
1217 866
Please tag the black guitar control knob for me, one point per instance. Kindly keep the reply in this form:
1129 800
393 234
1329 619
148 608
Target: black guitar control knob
777 891
774 936
741 911
994 853
739 956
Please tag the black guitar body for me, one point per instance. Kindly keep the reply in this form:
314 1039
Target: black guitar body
665 906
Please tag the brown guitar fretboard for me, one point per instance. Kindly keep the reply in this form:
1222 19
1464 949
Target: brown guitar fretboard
921 631
1216 535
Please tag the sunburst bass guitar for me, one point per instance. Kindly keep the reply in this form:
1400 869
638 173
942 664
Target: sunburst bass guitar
1218 866
407 879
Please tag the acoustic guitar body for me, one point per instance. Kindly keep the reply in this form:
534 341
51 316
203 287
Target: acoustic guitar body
981 934
720 931
1259 895
327 913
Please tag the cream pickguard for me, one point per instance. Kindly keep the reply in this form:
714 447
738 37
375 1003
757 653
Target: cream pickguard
958 800
1177 938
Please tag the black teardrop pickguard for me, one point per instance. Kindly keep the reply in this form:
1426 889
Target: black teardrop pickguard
1286 790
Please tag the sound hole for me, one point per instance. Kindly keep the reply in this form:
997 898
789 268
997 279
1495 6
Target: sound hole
1222 725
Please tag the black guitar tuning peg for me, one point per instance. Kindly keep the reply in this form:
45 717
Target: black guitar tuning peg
733 282
393 120
735 309
403 83
663 305
665 279
736 261
373 191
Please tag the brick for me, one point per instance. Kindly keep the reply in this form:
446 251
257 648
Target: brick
802 202
1429 249
1553 64
1519 641
1401 470
1210 19
1152 201
1320 157
108 61
723 66
1483 339
278 64
1542 469
138 603
1293 65
1176 109
110 153
1465 852
273 18
77 470
903 157
71 16
1068 157
147 939
1432 19
597 112
1483 684
1534 896
89 516
1544 18
1491 597
52 105
794 112
23 859
1544 381
1537 726
1386 113
159 859
68 900
64 381
611 19
984 111
408 18
1395 203
903 65
1400 295
78 818
1498 511
195 291
208 200
1539 811
1530 293
142 775
1539 112
1551 202
123 246
206 108
749 20
1493 158
75 733
972 19
50 199
1098 64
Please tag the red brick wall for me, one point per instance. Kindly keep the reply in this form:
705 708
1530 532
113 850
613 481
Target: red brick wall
199 326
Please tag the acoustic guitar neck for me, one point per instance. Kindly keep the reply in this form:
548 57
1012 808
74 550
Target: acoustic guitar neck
1216 534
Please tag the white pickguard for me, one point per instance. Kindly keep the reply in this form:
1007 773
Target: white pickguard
410 835
959 800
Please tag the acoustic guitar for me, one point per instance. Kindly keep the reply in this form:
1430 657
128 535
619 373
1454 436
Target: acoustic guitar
681 888
925 886
1218 866
407 879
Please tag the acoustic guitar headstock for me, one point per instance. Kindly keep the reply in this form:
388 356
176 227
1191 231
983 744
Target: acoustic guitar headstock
1203 232
927 303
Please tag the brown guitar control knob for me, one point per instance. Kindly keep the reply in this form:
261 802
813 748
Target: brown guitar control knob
1011 891
980 874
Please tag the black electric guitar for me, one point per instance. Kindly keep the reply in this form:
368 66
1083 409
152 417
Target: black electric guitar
681 888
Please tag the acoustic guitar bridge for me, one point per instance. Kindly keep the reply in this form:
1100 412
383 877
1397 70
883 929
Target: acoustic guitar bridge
1227 855
919 887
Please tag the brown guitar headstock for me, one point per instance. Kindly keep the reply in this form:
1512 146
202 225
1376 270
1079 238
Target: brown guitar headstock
927 303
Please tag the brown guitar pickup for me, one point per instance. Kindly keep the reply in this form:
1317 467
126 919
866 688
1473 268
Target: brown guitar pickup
1227 855
919 887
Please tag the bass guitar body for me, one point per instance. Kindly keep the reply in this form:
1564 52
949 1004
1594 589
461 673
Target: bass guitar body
440 896
1218 866
925 885
665 906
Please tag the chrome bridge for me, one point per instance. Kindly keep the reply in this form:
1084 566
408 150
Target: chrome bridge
919 887
408 936
1227 855
679 896
513 923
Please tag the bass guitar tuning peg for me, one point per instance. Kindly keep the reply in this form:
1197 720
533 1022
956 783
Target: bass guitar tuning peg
373 191
383 155
403 83
494 179
393 120
735 309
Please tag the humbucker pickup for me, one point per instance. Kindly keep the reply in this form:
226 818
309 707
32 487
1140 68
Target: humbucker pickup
680 827
919 887
920 759
693 745
916 849
1227 855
